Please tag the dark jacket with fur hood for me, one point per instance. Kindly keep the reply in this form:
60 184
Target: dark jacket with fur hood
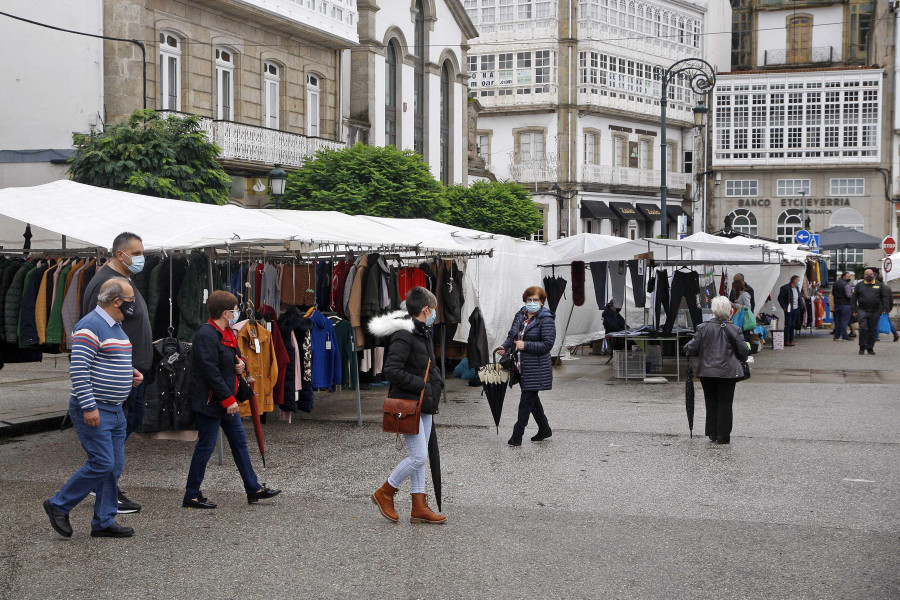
407 357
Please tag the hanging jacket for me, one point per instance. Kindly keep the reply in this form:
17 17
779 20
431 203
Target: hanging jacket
167 399
6 279
409 278
452 293
298 393
323 285
262 365
41 312
536 367
71 305
478 352
373 299
354 305
348 286
409 350
13 302
281 356
338 281
326 354
27 333
54 322
191 304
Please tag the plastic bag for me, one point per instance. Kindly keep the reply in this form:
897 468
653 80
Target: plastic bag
884 324
738 319
749 323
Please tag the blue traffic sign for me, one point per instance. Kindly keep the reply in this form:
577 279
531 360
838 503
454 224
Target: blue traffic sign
803 236
814 243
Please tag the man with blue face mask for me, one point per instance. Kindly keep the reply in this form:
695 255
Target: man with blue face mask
127 260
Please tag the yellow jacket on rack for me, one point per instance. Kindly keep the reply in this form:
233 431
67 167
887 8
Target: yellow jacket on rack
262 365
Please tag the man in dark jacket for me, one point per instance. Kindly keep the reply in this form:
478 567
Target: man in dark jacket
841 293
870 300
747 288
789 300
127 260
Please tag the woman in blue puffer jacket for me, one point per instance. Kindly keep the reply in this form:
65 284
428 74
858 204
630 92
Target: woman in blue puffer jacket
531 339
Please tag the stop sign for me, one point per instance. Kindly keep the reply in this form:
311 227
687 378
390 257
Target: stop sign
889 245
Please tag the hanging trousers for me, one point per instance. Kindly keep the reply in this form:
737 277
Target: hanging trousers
617 281
598 272
684 285
661 294
718 393
637 283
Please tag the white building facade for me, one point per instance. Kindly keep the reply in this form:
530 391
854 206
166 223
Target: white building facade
571 95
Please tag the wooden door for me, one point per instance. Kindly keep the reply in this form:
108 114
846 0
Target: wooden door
799 39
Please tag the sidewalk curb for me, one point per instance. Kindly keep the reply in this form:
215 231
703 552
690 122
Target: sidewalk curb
16 427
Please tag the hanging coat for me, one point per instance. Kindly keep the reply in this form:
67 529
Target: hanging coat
478 352
295 331
191 303
167 401
262 365
326 354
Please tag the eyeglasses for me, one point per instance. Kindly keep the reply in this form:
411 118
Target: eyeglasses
126 298
532 299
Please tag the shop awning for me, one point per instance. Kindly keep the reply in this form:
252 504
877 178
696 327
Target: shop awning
651 211
674 211
627 211
595 209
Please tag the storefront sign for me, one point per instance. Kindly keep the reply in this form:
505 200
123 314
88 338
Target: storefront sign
814 206
645 132
618 128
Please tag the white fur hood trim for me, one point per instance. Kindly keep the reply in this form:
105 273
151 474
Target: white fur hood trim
391 323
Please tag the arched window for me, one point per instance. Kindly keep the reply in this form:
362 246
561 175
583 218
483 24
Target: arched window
742 220
419 82
788 225
169 71
848 217
313 103
272 84
446 117
224 84
391 85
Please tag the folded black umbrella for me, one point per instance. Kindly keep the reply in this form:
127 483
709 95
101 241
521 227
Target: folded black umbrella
434 463
689 397
555 288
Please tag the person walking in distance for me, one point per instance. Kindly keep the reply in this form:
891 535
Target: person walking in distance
870 300
789 300
127 260
745 287
102 377
531 339
410 348
721 348
841 294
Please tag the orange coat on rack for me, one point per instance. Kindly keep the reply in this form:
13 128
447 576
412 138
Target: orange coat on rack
262 365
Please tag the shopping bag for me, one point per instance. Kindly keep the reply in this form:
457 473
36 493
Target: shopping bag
738 319
884 324
749 323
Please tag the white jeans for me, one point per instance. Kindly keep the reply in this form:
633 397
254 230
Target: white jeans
413 466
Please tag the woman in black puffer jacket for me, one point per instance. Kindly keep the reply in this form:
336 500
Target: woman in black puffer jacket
411 347
531 339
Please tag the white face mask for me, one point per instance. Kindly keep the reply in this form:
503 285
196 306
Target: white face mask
533 307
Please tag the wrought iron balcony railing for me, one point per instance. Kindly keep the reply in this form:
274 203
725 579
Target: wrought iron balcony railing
822 54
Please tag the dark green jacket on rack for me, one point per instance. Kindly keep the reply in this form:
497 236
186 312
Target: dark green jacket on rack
14 303
158 295
54 322
6 277
192 305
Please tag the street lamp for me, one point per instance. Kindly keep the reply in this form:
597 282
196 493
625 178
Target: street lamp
277 182
703 79
699 112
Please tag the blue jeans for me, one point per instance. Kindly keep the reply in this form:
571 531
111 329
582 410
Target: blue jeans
413 466
105 449
208 429
842 322
530 404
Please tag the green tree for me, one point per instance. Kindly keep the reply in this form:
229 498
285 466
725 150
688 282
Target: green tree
367 180
166 157
502 207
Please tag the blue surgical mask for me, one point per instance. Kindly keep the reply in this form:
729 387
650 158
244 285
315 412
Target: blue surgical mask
532 307
137 264
429 320
235 316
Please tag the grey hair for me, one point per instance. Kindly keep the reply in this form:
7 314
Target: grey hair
112 289
741 275
721 307
123 239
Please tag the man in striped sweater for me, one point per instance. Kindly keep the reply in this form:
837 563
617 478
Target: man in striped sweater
102 376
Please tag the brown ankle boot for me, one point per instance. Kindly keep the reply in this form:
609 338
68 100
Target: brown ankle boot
421 513
384 498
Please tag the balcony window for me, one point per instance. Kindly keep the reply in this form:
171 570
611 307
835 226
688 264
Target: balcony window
391 85
645 154
446 109
531 145
224 84
799 38
592 147
619 147
484 147
419 81
313 104
169 71
272 84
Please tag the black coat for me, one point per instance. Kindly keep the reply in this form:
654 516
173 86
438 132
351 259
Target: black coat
612 321
410 348
875 296
212 368
478 352
784 297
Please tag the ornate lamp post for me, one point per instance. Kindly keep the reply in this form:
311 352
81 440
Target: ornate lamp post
277 182
703 79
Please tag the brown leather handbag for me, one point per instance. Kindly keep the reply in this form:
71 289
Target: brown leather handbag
402 415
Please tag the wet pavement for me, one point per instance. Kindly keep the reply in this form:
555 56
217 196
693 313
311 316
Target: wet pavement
620 503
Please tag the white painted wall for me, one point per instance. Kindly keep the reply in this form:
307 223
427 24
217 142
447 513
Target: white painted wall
827 29
717 41
51 83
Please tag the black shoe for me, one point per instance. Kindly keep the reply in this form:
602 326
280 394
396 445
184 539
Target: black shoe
852 335
58 520
871 351
542 434
126 506
723 440
862 351
262 494
515 440
199 502
113 531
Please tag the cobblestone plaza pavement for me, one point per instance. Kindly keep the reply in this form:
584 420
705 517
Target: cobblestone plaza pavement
620 503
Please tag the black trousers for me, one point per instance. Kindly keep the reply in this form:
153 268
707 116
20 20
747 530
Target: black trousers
662 296
637 283
530 404
718 392
598 273
868 328
684 285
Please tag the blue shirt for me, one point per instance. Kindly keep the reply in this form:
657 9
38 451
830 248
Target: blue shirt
100 368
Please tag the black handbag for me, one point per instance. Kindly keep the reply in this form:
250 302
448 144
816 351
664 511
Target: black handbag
746 368
244 391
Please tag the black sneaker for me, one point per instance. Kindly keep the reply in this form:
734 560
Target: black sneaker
113 531
870 351
515 440
542 434
861 351
126 506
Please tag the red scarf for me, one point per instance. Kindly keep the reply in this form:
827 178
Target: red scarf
228 338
